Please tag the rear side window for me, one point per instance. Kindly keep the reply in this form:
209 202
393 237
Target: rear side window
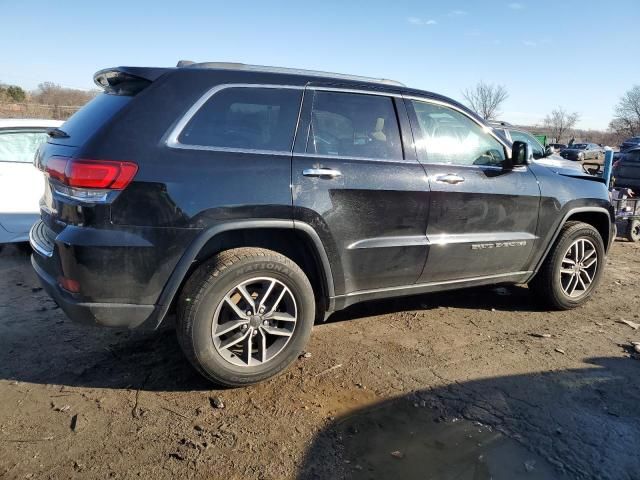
90 118
246 118
354 125
20 146
450 137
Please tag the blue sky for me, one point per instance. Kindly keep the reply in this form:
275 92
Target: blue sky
571 52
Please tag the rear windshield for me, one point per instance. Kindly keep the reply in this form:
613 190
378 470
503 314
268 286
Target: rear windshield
86 121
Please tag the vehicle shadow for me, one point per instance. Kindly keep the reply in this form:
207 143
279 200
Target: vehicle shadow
580 423
511 298
39 344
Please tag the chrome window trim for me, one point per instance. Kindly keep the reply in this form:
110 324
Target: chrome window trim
344 157
173 142
172 139
358 91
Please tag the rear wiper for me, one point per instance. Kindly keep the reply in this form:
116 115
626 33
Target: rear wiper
57 133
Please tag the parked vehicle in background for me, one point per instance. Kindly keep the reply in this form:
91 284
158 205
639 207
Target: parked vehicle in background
586 153
627 207
257 199
557 147
633 142
21 185
626 170
541 155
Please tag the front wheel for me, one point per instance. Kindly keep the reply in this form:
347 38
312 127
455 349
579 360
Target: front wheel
573 268
245 315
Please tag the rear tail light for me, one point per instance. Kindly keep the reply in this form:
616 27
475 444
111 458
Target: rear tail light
89 180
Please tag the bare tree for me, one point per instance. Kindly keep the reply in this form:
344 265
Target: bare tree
50 93
485 99
560 123
626 119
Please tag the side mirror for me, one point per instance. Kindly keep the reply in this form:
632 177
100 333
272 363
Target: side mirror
520 154
548 151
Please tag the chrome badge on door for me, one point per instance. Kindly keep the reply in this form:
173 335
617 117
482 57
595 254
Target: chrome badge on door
483 246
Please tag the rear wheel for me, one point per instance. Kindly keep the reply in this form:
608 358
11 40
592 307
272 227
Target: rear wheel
245 316
633 235
572 269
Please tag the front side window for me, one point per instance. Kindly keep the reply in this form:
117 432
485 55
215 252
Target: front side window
20 147
536 149
354 125
449 137
246 118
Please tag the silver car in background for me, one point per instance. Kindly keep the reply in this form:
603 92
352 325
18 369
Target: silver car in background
541 155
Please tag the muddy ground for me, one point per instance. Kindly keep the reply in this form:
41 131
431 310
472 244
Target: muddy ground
460 385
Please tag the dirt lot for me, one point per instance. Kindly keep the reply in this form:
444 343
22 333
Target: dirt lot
461 385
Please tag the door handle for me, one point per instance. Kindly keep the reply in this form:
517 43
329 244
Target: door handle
321 172
450 178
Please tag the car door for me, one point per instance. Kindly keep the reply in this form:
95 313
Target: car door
482 216
21 184
358 184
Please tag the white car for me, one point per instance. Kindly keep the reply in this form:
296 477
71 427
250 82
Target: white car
21 184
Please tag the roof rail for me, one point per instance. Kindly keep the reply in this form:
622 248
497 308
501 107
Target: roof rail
501 123
290 71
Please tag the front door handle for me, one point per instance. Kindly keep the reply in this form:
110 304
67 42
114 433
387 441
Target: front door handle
321 172
450 178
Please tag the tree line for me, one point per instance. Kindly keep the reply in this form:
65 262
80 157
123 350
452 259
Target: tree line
560 125
47 93
485 99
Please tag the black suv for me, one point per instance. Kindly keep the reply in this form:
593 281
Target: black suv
253 200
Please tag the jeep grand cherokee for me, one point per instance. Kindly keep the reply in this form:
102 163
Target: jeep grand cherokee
253 200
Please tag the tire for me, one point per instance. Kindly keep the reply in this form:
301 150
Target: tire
206 302
553 284
633 234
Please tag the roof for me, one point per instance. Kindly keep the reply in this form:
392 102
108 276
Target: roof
29 123
499 123
288 71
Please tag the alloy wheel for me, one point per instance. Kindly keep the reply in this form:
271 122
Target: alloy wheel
254 322
578 268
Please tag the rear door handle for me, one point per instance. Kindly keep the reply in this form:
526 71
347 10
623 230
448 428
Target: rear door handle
450 178
321 172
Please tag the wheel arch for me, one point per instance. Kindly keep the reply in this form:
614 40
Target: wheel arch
297 241
597 217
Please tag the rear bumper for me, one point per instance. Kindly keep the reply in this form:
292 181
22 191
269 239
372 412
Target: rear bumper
120 272
120 315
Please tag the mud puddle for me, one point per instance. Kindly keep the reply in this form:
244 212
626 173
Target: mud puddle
404 440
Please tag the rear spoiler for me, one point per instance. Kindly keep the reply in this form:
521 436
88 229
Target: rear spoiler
126 80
